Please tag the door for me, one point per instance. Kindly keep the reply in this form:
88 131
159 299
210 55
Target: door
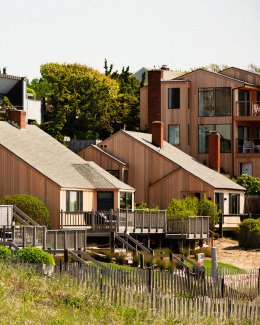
243 134
244 103
105 201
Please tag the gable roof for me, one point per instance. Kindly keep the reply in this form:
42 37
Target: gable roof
239 69
108 154
186 162
55 161
219 74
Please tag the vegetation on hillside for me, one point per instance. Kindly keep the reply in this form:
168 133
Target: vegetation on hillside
30 205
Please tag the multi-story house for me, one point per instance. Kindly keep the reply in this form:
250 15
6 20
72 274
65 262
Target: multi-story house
196 103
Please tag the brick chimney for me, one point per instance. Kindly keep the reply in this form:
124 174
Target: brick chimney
214 150
157 134
154 97
18 118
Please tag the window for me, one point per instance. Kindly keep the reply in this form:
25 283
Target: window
234 203
173 97
225 136
215 101
114 173
219 200
125 200
74 201
174 134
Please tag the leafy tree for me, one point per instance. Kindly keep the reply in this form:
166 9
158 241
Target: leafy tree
212 67
30 205
249 233
250 183
254 67
209 208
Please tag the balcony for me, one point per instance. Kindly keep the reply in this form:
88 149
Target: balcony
247 108
248 145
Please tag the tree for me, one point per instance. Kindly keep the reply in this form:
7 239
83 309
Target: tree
128 101
250 183
212 67
254 67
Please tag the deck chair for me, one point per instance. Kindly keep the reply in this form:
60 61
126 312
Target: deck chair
247 146
256 109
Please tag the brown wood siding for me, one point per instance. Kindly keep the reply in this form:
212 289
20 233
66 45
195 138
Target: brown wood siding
17 177
175 186
144 110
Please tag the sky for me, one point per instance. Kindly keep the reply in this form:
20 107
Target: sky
183 34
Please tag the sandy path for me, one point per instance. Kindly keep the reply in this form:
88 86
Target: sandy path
230 252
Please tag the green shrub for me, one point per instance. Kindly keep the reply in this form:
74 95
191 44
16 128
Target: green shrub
249 233
183 208
250 183
143 206
30 205
148 261
5 252
120 259
35 255
136 260
108 257
209 208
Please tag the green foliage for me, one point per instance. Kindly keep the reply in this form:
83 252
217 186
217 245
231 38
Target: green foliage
30 205
250 183
148 261
120 259
35 255
83 103
143 206
212 67
31 91
183 208
191 206
5 252
249 233
136 260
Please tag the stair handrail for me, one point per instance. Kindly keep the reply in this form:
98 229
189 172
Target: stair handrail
126 243
137 243
91 259
24 215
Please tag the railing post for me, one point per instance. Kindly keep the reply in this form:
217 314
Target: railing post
142 227
157 222
61 219
44 238
165 222
13 233
126 225
34 236
55 240
93 220
188 227
65 239
24 235
75 240
149 225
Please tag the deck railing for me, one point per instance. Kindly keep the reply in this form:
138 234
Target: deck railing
248 145
188 227
247 108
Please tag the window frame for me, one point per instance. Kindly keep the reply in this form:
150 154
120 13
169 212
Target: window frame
175 103
215 129
231 210
214 89
123 197
79 201
174 144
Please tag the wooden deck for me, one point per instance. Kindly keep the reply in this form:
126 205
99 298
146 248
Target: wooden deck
137 222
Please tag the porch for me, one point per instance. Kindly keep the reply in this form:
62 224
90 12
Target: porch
247 108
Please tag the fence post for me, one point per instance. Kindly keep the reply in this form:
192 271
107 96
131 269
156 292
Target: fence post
34 236
24 234
112 241
149 279
66 258
222 287
258 281
142 261
13 233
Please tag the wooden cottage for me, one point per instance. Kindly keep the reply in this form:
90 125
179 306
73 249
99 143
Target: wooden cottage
32 162
159 171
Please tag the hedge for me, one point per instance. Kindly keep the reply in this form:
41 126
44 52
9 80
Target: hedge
35 255
249 233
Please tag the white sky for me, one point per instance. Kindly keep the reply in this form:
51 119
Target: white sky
180 33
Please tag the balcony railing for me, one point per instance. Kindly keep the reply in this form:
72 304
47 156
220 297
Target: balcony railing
248 145
247 108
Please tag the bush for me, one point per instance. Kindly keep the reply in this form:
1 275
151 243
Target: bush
183 208
249 233
148 261
143 206
250 183
191 206
5 252
136 260
120 259
30 205
35 255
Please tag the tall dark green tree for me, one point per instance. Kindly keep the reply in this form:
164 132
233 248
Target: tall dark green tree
128 100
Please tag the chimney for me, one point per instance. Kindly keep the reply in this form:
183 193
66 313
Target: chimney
214 150
157 134
154 97
18 118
